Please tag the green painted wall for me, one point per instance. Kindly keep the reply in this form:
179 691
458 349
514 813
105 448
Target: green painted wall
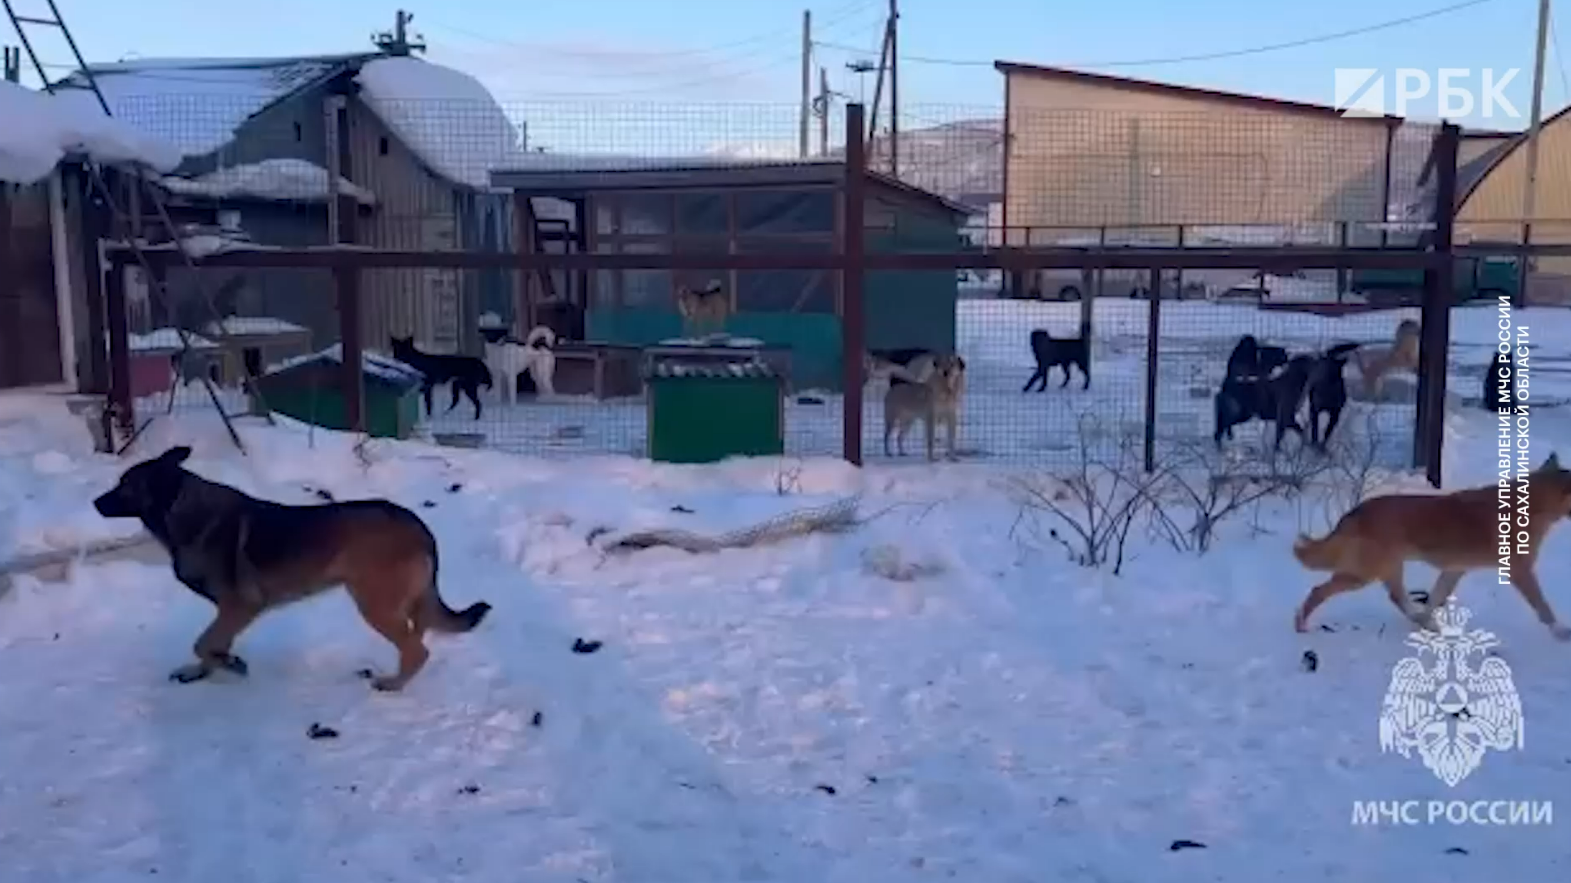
913 308
902 308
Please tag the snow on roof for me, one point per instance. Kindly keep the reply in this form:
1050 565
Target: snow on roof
374 364
41 129
250 325
445 116
196 104
166 339
271 179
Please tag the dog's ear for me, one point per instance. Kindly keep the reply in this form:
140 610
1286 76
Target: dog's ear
960 362
175 455
1552 464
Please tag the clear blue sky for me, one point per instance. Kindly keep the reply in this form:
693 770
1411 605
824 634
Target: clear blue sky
636 52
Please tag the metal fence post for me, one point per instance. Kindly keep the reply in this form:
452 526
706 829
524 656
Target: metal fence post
1153 337
1435 320
346 280
852 309
119 347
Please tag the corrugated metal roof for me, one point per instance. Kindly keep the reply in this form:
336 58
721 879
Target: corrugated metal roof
198 103
545 174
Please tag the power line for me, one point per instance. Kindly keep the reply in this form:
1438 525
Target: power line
836 15
1209 56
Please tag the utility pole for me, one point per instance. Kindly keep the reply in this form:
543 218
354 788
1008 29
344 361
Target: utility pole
878 90
823 111
398 43
1530 179
894 89
807 81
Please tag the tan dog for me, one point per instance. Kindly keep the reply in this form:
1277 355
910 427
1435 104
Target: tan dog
934 400
1375 362
249 556
704 311
1455 532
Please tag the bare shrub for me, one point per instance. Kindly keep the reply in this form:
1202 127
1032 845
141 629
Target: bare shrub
1091 510
1201 487
1351 474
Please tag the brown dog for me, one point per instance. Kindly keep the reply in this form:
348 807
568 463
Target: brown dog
936 399
1375 362
248 556
1455 532
703 311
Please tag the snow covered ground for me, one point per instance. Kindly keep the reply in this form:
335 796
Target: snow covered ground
782 713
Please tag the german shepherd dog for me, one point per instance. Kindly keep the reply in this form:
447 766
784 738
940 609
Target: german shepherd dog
466 373
1454 533
249 556
1058 352
934 400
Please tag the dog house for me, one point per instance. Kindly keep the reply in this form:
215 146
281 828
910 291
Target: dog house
630 205
309 388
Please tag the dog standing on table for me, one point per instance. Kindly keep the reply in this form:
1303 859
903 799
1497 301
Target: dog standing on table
704 311
1058 352
249 556
466 373
508 358
934 400
1454 533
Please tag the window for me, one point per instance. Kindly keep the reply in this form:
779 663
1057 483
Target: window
788 291
645 214
702 213
785 211
381 145
645 288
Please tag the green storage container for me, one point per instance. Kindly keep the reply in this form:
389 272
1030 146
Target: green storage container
703 413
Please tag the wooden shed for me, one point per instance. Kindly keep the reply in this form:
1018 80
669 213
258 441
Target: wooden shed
641 206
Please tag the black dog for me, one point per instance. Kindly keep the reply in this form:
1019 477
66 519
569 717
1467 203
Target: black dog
1273 399
1251 359
466 373
1499 384
1327 392
1058 352
1276 398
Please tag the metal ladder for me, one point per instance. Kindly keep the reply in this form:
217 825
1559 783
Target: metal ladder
150 194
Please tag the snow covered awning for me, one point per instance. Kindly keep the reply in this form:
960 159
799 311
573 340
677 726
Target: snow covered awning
271 180
39 130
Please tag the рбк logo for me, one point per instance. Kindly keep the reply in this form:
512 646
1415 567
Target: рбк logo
1442 705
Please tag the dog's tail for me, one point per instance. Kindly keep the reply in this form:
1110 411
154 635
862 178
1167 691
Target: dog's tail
1321 554
439 617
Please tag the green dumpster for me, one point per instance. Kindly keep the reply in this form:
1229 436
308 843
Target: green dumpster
310 389
701 413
